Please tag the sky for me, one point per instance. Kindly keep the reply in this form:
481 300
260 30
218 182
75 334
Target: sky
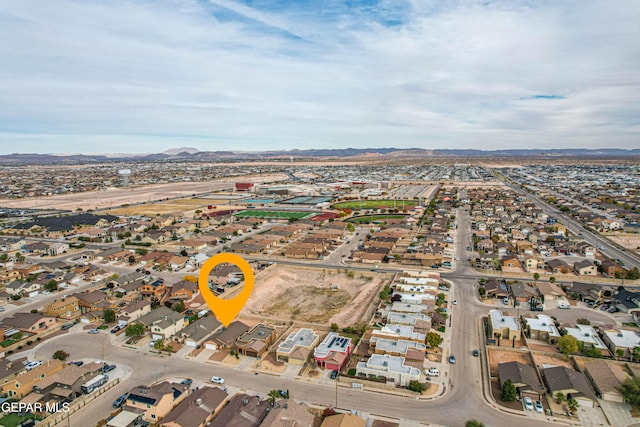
145 76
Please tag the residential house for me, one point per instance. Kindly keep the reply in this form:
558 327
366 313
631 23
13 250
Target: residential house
198 409
163 323
504 327
256 341
155 289
92 301
558 266
294 415
23 383
571 383
242 411
30 322
157 400
393 368
524 292
333 352
523 377
56 249
541 328
550 291
183 290
587 337
606 380
585 268
66 383
63 308
197 332
496 289
23 288
296 348
226 338
611 268
627 301
135 310
343 420
620 342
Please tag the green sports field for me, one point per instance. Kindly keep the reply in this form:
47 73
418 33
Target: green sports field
275 214
375 204
366 219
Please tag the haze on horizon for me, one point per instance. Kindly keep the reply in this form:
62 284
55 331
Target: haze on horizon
143 77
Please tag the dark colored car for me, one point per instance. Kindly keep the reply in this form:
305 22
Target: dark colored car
78 363
452 359
476 353
109 368
334 375
120 401
186 381
116 329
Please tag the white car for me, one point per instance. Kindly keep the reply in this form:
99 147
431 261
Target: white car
528 403
32 365
432 372
564 305
454 302
217 380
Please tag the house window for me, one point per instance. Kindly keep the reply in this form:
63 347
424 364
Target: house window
153 415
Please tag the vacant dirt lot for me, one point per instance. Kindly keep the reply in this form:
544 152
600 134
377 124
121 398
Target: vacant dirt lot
497 357
629 241
559 360
182 206
314 295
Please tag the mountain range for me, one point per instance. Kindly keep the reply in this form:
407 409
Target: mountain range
192 154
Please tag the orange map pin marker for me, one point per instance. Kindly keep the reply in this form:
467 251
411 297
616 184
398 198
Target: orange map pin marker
226 309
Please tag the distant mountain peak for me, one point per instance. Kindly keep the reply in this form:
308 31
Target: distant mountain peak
181 150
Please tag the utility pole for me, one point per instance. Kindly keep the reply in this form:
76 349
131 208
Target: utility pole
337 389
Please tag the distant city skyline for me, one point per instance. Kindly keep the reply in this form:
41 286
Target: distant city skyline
221 75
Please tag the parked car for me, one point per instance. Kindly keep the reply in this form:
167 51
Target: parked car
528 403
505 301
116 329
564 305
334 375
432 372
1 309
93 331
120 401
109 368
186 381
78 363
454 302
476 353
32 365
538 406
217 380
452 359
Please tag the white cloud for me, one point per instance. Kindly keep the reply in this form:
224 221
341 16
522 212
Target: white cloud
222 74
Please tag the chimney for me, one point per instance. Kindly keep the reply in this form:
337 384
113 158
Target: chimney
198 401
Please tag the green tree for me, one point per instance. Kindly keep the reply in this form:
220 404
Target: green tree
178 306
583 321
334 327
635 354
619 353
633 274
158 344
552 279
473 423
417 386
631 391
568 344
351 228
559 397
572 404
168 348
51 286
536 276
508 391
434 339
109 316
4 257
273 396
135 330
60 355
